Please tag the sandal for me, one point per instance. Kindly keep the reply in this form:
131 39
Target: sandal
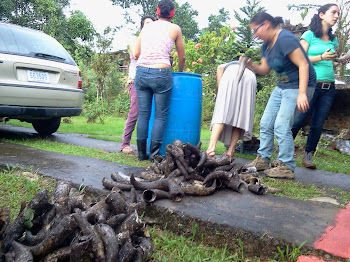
211 153
127 150
231 158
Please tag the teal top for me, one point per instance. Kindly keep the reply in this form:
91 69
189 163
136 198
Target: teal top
324 68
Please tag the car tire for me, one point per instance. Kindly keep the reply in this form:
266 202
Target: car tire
46 127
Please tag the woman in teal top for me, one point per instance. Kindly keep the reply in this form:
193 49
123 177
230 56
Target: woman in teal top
320 44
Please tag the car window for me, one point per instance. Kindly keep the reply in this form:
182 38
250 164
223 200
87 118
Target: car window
27 42
7 42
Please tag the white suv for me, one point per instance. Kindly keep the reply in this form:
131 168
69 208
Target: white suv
39 80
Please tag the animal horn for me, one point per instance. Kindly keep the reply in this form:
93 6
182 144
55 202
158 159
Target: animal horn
343 58
241 68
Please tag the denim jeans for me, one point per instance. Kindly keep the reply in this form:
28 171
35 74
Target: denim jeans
132 117
320 105
149 83
277 122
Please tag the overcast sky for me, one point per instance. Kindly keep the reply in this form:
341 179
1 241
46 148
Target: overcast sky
102 13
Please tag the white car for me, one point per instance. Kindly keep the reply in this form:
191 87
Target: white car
39 80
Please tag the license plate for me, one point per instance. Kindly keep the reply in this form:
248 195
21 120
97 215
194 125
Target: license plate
38 76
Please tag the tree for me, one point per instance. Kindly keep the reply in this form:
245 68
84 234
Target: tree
32 13
217 21
244 32
103 60
49 17
6 9
185 18
148 7
76 32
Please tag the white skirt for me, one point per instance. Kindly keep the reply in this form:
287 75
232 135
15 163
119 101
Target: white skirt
234 106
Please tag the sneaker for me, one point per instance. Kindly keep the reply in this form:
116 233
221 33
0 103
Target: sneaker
280 171
307 160
258 163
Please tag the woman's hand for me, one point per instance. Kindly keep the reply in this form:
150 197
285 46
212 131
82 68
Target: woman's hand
260 69
249 62
328 55
302 103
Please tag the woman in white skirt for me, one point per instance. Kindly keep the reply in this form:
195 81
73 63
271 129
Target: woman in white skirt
234 108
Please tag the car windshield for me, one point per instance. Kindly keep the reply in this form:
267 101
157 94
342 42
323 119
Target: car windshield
23 41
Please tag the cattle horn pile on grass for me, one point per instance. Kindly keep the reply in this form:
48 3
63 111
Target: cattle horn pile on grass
69 225
187 170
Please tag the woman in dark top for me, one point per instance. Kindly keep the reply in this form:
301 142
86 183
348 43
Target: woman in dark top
283 53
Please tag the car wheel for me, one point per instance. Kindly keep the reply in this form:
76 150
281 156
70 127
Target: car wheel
46 127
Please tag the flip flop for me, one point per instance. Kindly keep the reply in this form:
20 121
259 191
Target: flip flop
127 150
211 153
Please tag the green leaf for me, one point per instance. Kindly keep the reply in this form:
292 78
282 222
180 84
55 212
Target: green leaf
28 224
28 214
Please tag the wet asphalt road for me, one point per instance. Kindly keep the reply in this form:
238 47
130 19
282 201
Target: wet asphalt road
266 219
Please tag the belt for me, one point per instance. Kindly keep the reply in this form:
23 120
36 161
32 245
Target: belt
325 85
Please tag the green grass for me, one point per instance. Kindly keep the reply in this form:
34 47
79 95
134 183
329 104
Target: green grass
171 247
328 160
18 185
324 157
113 126
297 190
43 144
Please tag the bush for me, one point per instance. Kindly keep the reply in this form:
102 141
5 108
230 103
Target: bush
93 111
122 104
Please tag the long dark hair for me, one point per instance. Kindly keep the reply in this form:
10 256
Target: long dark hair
144 18
316 22
165 7
263 16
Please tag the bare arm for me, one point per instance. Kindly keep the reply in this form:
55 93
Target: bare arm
260 69
219 72
132 47
180 48
298 58
137 48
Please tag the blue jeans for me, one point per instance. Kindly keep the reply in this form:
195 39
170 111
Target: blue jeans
149 83
277 122
320 105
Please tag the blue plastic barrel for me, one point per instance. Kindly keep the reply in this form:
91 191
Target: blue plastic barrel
185 112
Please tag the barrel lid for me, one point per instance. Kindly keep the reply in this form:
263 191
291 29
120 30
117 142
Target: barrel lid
187 74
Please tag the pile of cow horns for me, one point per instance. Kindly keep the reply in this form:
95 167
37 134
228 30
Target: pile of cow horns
187 170
72 226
